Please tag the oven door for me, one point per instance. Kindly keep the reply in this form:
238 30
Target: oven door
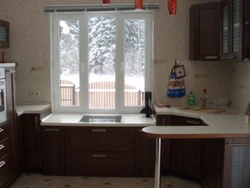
3 107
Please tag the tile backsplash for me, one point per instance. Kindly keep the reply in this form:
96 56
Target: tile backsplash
240 84
30 48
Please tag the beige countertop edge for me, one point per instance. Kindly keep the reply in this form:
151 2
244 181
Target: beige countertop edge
194 136
31 108
8 64
121 125
128 120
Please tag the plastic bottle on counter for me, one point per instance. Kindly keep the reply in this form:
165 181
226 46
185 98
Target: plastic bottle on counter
191 99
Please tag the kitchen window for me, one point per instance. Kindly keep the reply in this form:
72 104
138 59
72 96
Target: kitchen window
101 62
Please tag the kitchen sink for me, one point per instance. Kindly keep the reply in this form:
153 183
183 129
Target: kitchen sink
209 110
101 119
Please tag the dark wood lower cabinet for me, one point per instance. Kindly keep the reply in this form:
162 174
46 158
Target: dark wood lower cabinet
13 126
212 153
53 154
32 143
186 158
236 163
144 154
100 164
4 171
99 151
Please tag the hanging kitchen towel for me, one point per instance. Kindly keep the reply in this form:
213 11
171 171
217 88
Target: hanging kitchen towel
176 86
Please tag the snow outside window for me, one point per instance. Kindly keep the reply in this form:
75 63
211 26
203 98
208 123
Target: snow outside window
101 62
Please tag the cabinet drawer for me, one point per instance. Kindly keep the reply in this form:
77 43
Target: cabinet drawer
99 139
179 120
4 171
4 147
100 164
3 132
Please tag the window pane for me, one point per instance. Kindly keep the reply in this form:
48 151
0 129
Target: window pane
69 62
102 49
134 62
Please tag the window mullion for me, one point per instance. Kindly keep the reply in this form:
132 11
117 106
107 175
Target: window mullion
120 63
84 62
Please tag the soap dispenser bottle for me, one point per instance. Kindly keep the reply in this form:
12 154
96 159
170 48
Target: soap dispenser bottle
191 99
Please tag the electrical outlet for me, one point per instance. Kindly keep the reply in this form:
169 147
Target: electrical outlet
37 93
31 93
243 86
34 93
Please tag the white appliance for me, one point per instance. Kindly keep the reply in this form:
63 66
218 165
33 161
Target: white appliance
3 107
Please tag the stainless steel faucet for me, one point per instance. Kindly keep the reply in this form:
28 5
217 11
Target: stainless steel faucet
204 99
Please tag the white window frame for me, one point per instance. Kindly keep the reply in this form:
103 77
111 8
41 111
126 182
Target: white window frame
83 61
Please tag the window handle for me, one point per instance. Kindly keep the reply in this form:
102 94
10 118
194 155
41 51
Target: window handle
122 66
82 66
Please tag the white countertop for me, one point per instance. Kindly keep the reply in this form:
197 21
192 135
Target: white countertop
219 125
128 120
5 65
31 108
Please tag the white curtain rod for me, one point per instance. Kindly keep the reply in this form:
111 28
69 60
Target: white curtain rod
98 7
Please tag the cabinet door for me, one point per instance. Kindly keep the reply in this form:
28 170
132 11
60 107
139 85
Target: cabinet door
246 29
205 31
4 171
32 144
232 30
186 158
164 120
53 150
237 28
212 153
237 163
14 127
144 154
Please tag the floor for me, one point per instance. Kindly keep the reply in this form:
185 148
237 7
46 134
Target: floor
40 181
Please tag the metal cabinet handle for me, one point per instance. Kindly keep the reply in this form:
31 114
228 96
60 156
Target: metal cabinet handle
99 155
193 122
211 57
237 143
99 130
36 123
229 57
51 130
1 130
2 163
1 146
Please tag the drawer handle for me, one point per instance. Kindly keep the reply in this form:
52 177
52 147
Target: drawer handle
211 57
237 143
99 130
51 130
1 130
2 163
99 155
1 146
193 122
229 57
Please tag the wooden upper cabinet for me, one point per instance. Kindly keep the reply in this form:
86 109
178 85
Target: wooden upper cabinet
232 14
205 31
246 30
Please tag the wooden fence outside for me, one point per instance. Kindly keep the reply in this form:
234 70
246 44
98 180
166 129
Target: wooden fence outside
101 95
